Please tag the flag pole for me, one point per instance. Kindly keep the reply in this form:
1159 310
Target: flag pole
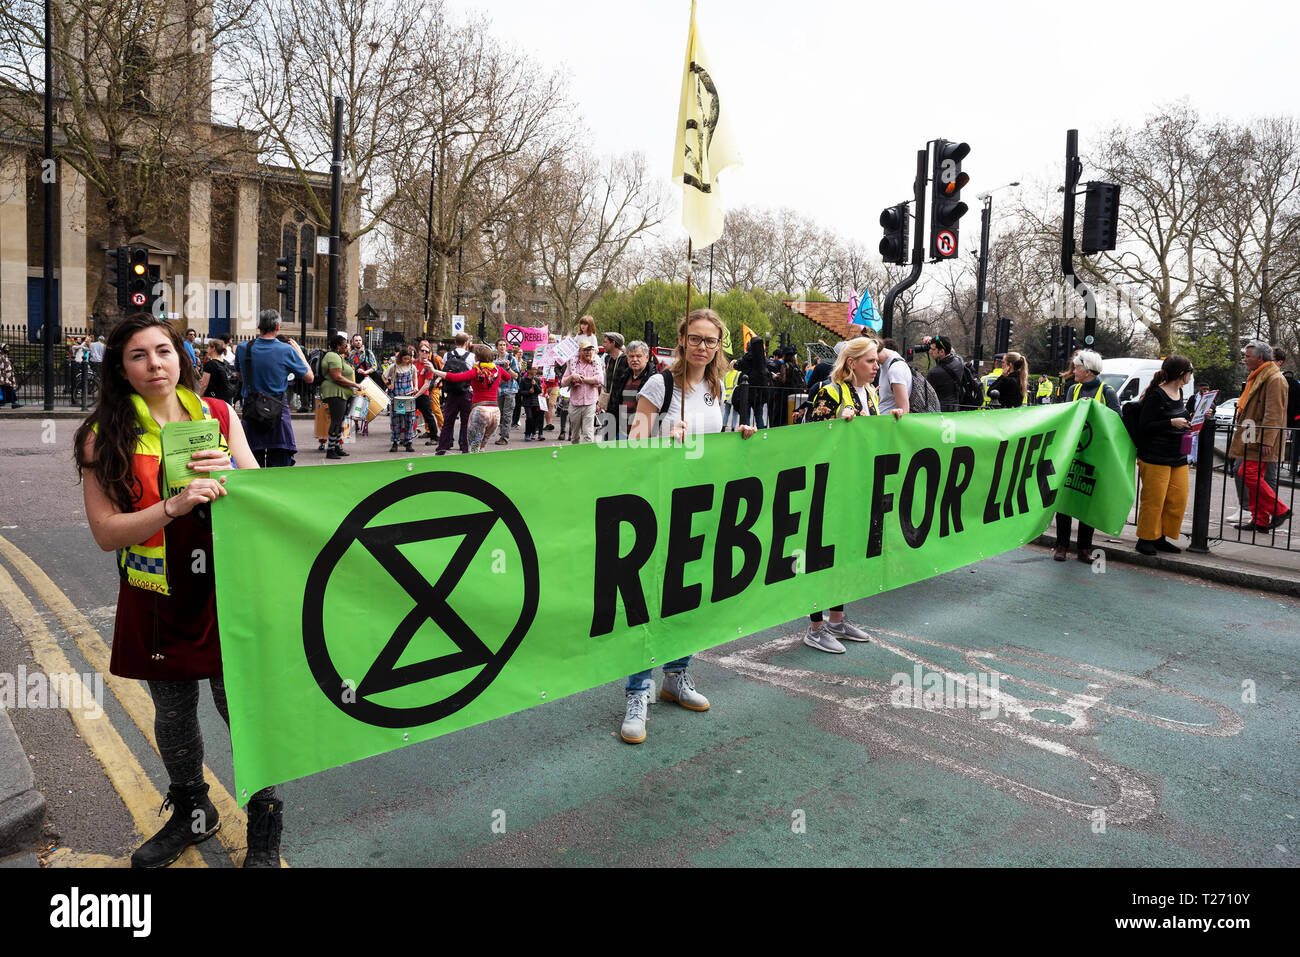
690 254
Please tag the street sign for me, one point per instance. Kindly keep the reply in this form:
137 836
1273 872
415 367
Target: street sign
137 299
457 325
946 242
322 245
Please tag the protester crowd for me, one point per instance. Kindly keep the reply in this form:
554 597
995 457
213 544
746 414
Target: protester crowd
465 393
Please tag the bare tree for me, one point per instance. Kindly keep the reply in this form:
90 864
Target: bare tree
1166 169
376 55
133 89
605 207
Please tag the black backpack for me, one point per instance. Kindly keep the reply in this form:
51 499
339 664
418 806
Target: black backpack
455 362
970 391
921 397
1131 413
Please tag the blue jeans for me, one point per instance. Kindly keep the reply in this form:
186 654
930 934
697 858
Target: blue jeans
728 413
641 680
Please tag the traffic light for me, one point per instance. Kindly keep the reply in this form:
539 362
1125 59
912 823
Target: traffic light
1068 344
1003 343
893 248
118 269
946 185
1010 331
1100 217
139 287
284 282
1054 346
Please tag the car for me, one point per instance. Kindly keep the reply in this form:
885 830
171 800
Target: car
1224 413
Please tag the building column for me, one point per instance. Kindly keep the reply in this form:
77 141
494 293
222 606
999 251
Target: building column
245 303
73 310
13 238
197 298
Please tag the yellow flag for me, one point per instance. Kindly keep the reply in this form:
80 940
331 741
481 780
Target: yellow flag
747 334
705 145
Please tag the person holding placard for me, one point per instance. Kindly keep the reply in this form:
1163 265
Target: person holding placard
165 630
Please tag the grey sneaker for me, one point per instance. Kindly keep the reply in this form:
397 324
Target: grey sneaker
678 687
847 631
633 730
822 640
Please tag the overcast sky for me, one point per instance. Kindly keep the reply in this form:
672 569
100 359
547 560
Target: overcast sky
830 105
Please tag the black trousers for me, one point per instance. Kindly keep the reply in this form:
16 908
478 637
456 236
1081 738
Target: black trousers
424 405
1063 533
338 407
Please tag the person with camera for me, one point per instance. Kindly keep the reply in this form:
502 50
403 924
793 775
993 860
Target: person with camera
165 630
266 364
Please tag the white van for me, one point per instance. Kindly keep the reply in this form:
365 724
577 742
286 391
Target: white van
1130 377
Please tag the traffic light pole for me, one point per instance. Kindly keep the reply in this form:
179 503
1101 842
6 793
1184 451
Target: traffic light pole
336 221
918 247
48 303
1073 170
981 303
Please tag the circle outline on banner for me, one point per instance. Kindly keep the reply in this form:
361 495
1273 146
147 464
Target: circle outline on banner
514 336
315 644
939 242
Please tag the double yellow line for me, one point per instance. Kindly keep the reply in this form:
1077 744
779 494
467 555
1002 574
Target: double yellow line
129 779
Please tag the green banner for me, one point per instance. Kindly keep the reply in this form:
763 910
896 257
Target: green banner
365 607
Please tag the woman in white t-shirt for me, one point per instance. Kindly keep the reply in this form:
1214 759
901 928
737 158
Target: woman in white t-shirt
850 393
698 366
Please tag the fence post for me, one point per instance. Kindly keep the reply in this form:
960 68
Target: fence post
1204 487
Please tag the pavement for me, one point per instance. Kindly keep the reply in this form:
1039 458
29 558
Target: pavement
514 753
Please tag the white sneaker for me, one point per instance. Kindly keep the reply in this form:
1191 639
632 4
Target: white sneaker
847 631
633 730
678 687
822 640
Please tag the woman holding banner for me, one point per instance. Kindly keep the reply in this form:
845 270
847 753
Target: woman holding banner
849 394
1088 387
165 631
685 399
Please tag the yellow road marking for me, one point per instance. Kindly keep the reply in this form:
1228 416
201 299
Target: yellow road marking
64 857
128 778
130 693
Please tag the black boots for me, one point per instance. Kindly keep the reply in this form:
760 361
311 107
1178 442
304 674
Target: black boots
265 823
194 819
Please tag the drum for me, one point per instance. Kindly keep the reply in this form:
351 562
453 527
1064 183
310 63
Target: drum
378 399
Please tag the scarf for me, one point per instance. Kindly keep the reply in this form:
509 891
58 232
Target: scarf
1250 384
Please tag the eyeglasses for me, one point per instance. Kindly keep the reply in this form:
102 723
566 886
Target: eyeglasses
711 342
424 351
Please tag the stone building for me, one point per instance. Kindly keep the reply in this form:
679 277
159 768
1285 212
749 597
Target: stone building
217 264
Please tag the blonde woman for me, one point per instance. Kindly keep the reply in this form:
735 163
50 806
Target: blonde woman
849 394
687 400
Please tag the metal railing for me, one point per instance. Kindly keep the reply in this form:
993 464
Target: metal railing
1265 490
71 378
